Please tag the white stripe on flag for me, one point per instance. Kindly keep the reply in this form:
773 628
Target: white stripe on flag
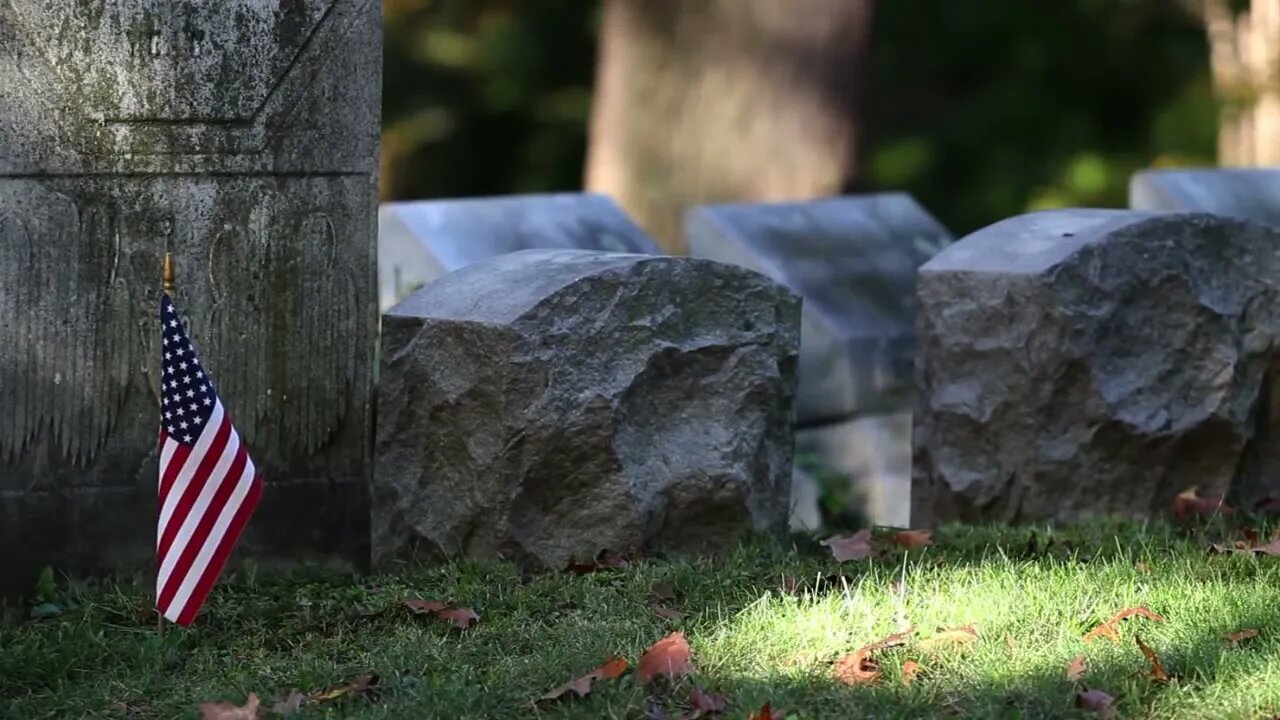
199 509
189 468
216 535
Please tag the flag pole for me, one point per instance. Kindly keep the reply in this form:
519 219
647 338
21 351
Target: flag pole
166 281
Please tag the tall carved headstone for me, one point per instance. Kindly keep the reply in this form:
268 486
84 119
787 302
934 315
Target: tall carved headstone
853 261
242 137
421 240
1242 193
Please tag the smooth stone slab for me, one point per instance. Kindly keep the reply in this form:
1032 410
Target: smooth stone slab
853 260
421 240
1077 364
872 456
546 405
242 137
1244 193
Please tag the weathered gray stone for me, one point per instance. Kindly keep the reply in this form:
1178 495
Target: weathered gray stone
853 260
421 240
873 455
1083 363
242 136
549 404
1243 193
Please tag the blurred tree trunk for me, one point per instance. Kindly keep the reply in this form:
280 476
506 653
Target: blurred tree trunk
1245 59
725 100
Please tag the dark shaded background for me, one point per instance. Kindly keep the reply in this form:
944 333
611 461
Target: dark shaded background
982 109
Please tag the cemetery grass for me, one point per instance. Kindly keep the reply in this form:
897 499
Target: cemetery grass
768 623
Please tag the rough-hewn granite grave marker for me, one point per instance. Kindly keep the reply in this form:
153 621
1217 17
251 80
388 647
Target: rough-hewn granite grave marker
421 240
853 260
1082 363
242 136
1244 193
546 405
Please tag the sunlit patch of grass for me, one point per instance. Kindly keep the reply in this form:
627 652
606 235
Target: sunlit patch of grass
766 623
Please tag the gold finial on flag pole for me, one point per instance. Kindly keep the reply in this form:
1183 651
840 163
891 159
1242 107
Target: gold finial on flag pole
168 272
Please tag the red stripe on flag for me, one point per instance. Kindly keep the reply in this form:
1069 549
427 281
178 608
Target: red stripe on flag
207 463
200 533
219 559
169 472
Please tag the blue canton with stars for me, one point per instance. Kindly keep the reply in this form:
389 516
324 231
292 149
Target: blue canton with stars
188 393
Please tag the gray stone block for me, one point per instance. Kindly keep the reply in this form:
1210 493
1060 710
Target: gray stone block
853 260
421 240
872 455
241 136
545 405
1242 193
1086 363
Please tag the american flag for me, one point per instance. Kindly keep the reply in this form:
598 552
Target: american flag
208 485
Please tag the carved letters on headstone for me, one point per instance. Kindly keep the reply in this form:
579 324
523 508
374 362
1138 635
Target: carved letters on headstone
242 137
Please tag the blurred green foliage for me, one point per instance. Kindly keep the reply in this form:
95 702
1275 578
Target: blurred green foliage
982 109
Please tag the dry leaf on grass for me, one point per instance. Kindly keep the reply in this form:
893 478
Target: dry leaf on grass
1108 628
459 617
1075 670
231 711
612 668
1096 702
362 686
1157 671
955 636
910 669
913 538
1189 503
859 668
670 656
1240 636
850 547
766 712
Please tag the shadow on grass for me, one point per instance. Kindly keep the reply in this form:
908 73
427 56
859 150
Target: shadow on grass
314 630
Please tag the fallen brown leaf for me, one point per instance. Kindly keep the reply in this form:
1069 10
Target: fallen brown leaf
1075 670
1239 636
910 669
460 617
850 547
581 686
1108 628
290 705
1157 672
362 686
670 656
966 634
668 613
705 703
1271 548
231 711
859 668
1188 503
1096 702
913 538
766 712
